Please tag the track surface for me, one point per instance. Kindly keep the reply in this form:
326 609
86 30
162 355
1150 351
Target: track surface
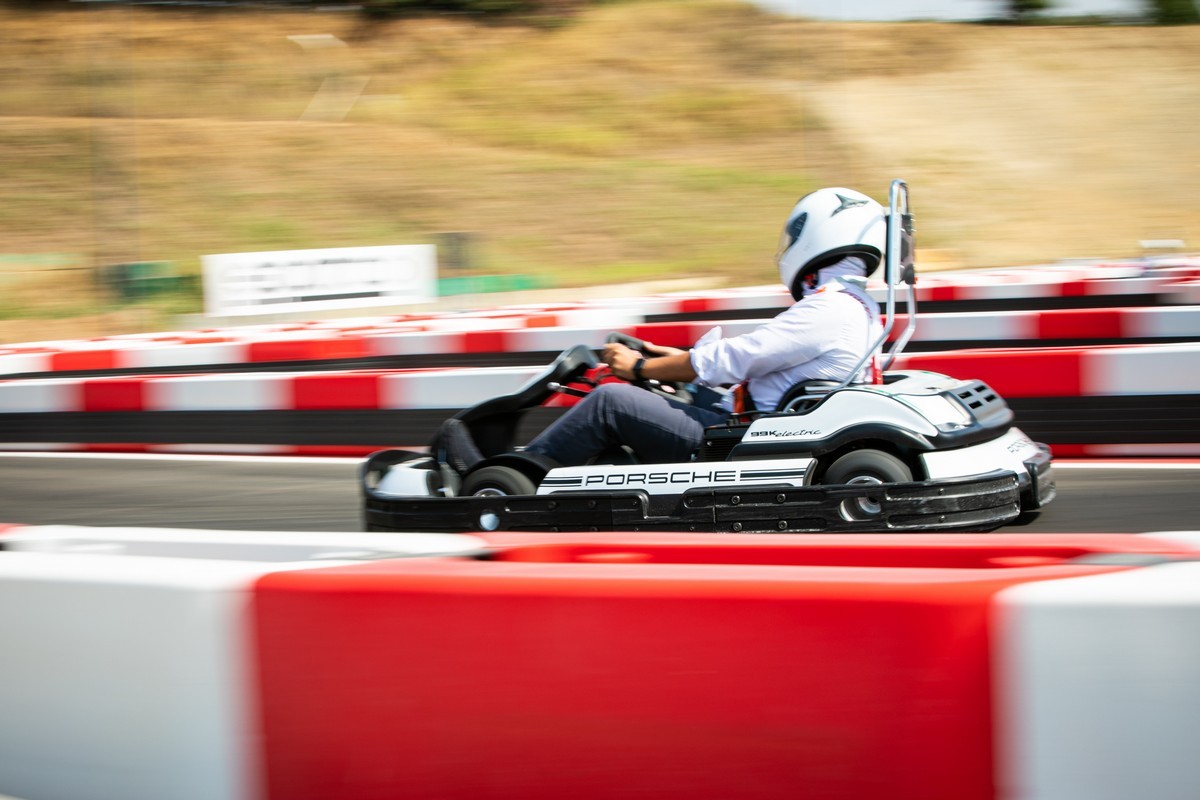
322 494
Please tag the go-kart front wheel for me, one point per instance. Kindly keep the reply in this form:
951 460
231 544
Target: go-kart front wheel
865 468
497 481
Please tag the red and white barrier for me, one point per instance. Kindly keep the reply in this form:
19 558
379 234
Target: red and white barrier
521 328
264 391
1050 372
1072 372
1095 684
400 340
128 667
1002 326
148 664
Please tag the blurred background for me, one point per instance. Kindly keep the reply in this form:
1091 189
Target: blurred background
565 144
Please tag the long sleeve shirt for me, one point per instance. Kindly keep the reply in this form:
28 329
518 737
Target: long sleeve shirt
821 337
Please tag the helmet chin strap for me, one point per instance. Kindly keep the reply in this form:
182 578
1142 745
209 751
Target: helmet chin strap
851 269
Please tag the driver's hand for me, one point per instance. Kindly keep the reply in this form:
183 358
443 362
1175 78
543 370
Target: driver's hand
620 359
661 349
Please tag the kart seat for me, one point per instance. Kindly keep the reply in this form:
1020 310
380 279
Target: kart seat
493 422
569 366
803 395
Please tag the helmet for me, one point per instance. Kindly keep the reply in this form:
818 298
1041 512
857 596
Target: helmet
826 226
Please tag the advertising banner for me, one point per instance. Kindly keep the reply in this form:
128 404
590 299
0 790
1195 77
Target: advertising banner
311 280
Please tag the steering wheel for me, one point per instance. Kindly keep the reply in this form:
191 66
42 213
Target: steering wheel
672 389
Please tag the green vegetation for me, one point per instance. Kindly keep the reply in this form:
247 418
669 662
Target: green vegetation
635 140
1173 12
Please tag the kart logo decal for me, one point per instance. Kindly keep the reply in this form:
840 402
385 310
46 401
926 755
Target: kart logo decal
569 481
781 433
670 479
1017 445
848 202
764 474
679 476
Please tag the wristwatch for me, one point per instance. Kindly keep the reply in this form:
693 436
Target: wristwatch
637 369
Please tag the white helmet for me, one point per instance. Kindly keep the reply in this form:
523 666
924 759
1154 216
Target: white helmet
826 226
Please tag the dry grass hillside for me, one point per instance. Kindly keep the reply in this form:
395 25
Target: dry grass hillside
641 140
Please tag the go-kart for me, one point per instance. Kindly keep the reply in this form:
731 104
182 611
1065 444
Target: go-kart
911 451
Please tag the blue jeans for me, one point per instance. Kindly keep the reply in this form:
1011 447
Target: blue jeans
657 429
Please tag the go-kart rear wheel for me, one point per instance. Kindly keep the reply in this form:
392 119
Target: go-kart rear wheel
865 467
497 481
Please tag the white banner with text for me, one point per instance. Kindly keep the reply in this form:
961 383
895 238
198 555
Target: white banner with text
311 280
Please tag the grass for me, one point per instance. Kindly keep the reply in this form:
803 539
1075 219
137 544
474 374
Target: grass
642 140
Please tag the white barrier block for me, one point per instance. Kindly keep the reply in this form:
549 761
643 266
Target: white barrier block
1033 285
533 340
1151 284
18 363
127 669
451 388
1097 696
1187 291
1188 538
220 392
1003 326
411 343
1145 323
1141 369
122 678
179 355
240 546
40 394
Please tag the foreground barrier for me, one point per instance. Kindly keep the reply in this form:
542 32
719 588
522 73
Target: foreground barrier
127 669
677 666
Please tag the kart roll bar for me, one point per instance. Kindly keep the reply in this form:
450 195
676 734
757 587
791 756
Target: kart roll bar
898 266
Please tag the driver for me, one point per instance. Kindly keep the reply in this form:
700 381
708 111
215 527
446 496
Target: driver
832 240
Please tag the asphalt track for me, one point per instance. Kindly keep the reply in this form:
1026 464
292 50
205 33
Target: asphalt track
294 494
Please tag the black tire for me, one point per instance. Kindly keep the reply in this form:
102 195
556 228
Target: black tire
865 467
498 480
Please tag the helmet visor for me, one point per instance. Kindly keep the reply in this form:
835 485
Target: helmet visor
791 232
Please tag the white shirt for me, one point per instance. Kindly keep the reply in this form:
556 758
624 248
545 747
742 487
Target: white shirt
821 337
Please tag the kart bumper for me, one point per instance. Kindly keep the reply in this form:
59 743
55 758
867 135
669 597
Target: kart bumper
1040 488
1012 450
976 503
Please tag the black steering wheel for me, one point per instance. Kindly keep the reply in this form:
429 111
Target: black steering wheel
671 389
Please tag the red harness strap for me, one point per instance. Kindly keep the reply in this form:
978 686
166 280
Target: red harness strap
743 403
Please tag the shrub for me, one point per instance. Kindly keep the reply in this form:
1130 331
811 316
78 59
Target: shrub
1173 12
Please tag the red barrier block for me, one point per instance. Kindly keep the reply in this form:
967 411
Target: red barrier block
1079 288
340 391
484 342
306 349
1052 372
114 394
1081 323
670 334
70 360
697 305
937 294
672 666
